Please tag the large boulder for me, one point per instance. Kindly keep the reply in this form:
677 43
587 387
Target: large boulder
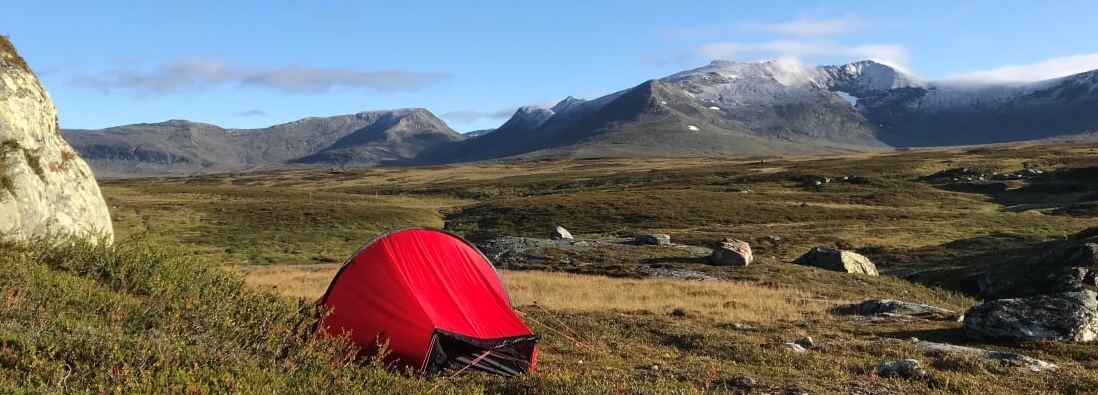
732 252
1069 316
45 188
559 233
837 260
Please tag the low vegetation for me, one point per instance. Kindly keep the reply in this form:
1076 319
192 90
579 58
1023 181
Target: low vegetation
160 313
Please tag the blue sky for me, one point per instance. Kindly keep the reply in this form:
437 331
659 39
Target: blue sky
253 64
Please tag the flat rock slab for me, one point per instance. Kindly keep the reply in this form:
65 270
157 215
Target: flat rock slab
1034 364
897 307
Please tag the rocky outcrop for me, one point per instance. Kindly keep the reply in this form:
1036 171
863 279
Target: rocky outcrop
939 350
1068 316
896 307
837 260
732 252
45 188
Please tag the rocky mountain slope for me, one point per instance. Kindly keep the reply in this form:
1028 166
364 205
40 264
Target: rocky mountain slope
183 147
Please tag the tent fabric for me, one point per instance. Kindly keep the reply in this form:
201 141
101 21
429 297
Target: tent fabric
433 298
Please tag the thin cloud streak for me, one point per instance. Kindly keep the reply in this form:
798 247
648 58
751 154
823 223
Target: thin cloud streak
1043 70
892 54
810 27
251 113
470 116
196 74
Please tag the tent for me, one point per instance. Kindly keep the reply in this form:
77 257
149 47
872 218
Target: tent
434 299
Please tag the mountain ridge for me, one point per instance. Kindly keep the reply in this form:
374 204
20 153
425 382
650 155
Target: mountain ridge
724 108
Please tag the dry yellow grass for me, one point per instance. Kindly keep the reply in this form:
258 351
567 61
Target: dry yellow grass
719 301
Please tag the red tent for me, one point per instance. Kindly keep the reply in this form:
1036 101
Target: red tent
435 299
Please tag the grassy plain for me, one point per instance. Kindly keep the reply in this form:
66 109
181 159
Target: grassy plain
287 231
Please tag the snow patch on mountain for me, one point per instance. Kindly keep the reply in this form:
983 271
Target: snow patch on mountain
848 97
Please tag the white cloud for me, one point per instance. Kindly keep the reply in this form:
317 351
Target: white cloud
195 74
892 54
810 27
251 113
1046 69
470 116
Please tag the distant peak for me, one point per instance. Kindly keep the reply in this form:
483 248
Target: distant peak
566 104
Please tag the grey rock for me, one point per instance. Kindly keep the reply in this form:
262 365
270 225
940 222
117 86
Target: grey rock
933 349
1069 279
904 368
1082 255
45 187
896 307
1068 316
743 381
837 260
740 327
559 233
796 347
805 342
654 239
732 252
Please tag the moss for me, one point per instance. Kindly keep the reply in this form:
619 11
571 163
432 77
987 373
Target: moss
35 163
9 57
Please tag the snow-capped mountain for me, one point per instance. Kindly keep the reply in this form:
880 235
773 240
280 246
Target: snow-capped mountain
781 107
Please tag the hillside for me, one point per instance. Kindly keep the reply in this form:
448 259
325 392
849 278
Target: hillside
182 147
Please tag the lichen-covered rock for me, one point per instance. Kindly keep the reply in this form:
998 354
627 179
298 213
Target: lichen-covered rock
732 252
837 260
45 188
1070 316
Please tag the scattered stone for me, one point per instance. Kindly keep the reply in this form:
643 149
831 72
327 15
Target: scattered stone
743 381
773 239
857 180
905 368
1070 279
732 252
796 347
740 327
837 260
804 204
1068 316
679 274
654 367
678 313
737 190
658 239
805 342
896 307
559 233
933 349
45 187
814 181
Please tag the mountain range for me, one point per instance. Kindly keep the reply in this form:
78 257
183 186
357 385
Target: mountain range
722 109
